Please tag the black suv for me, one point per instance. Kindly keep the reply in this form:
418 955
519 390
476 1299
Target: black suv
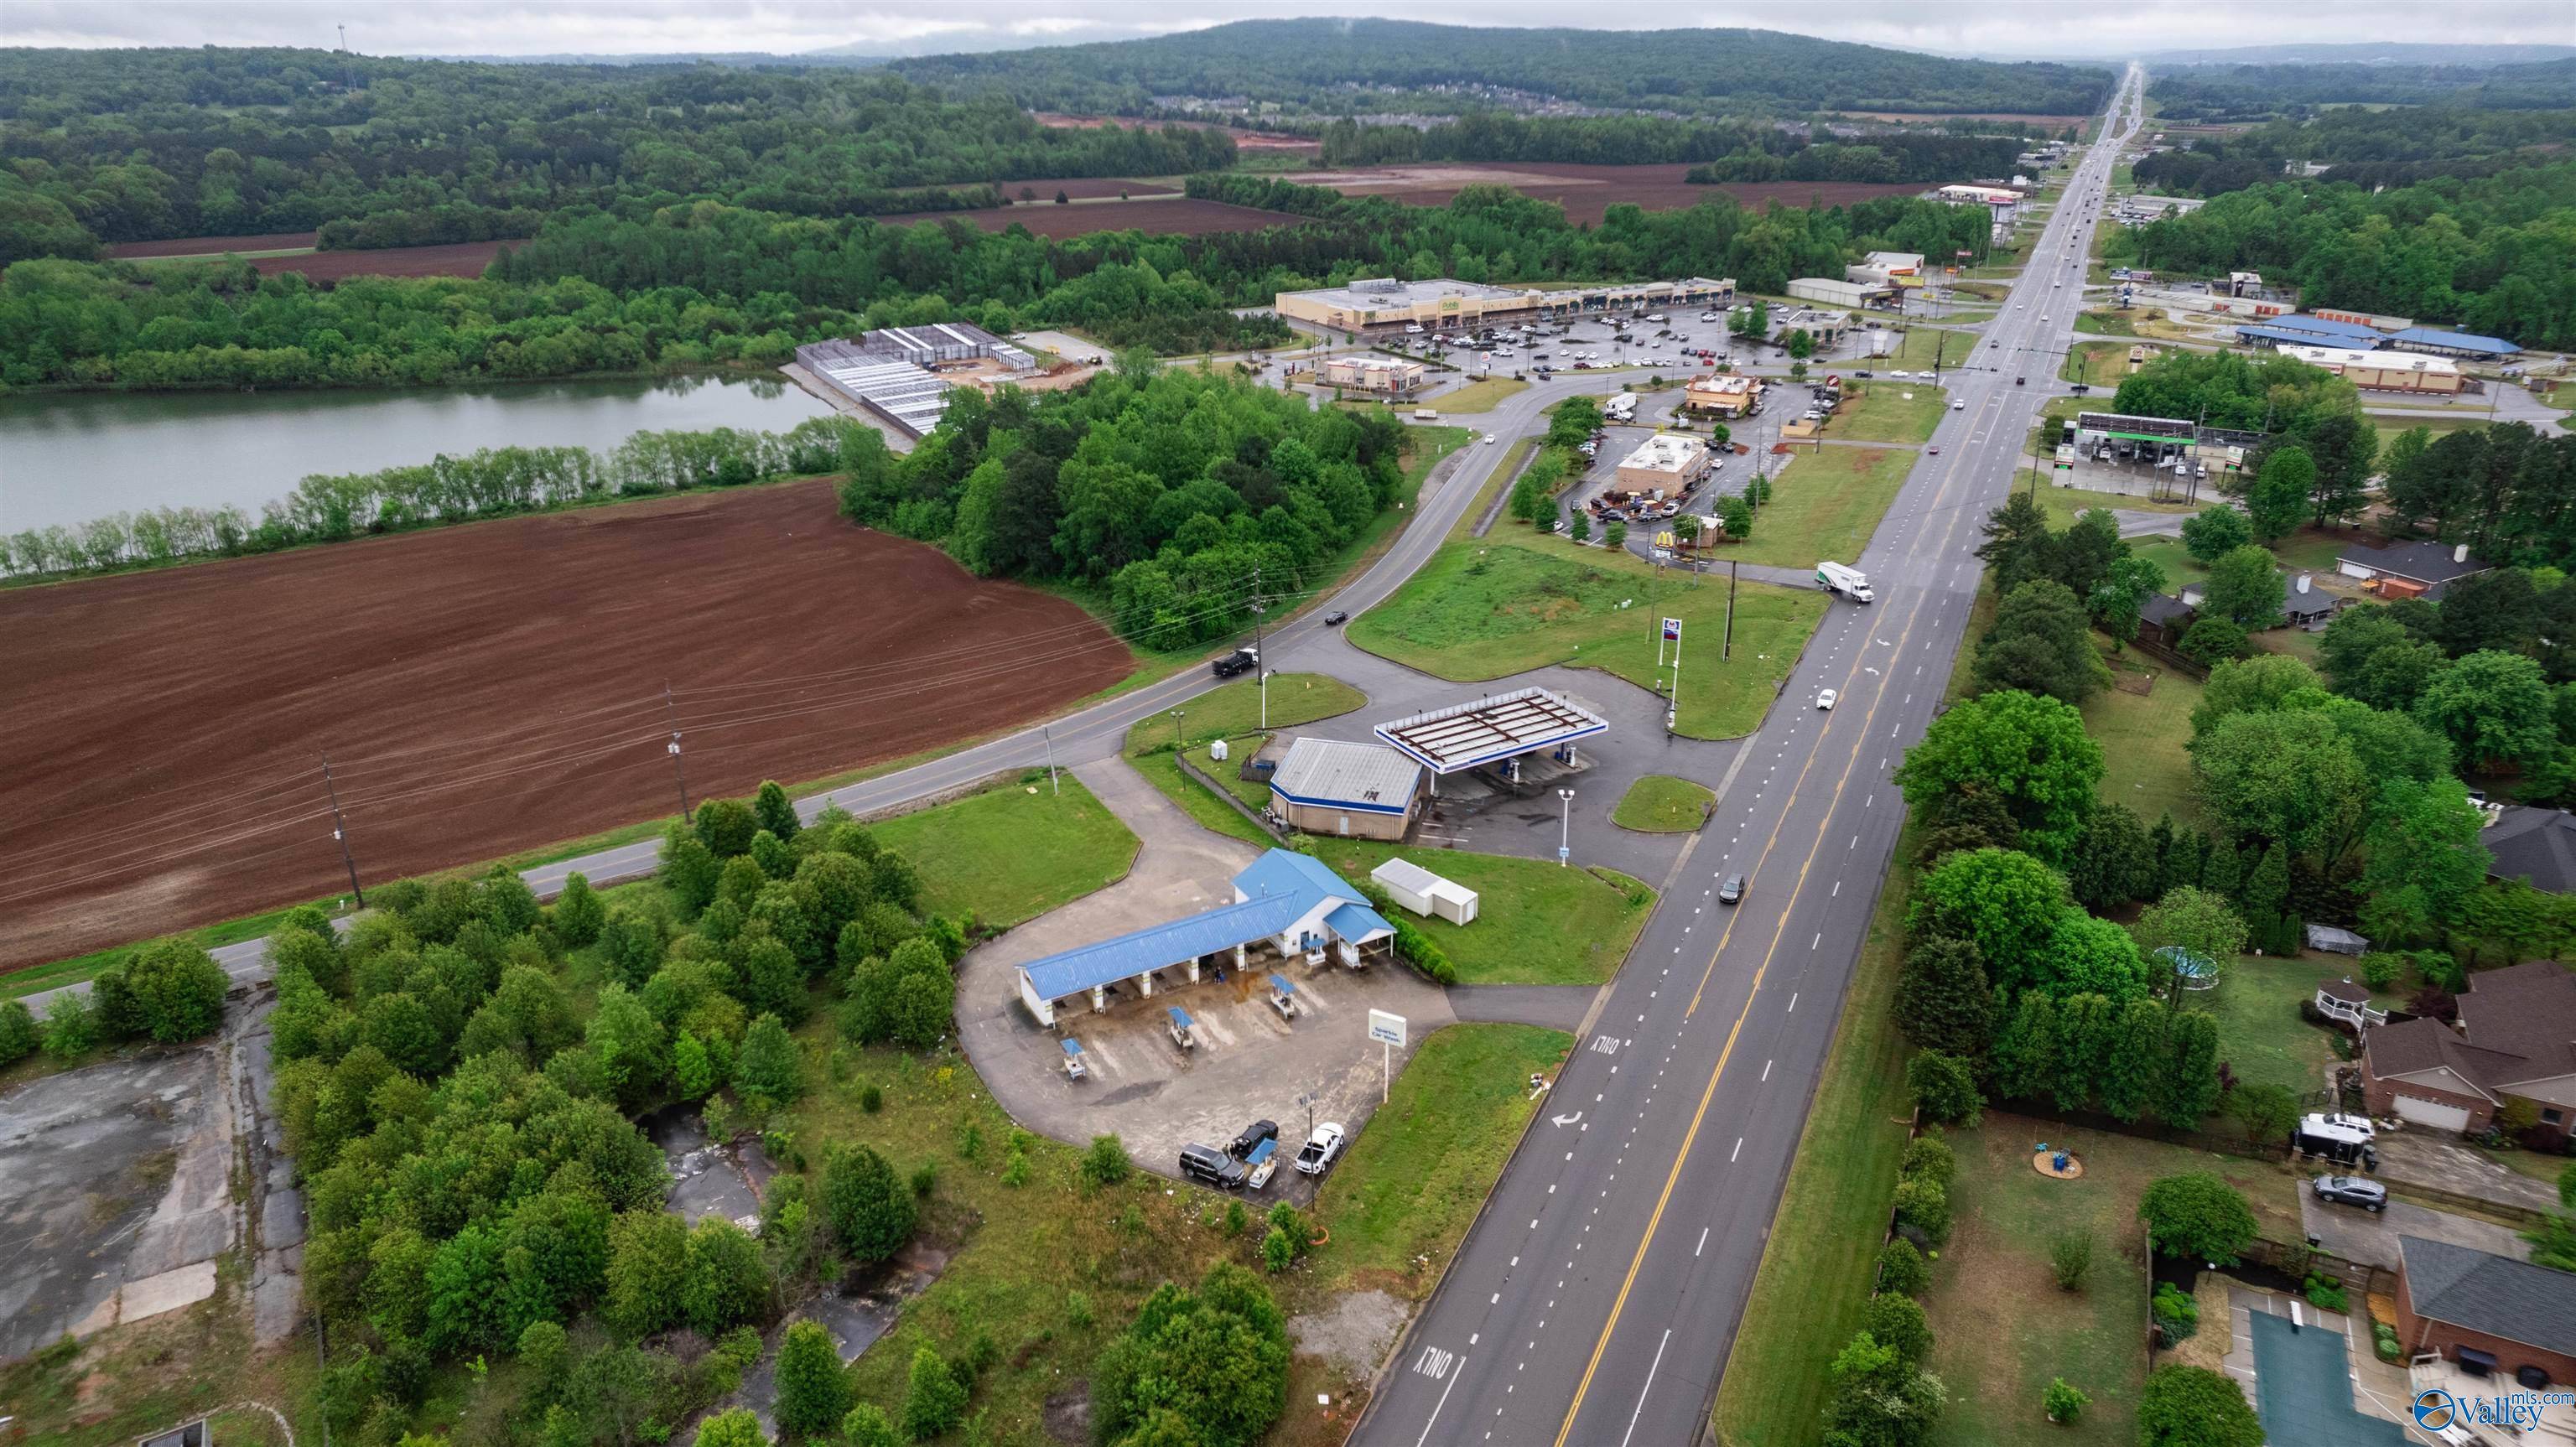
1732 891
1252 1137
1212 1166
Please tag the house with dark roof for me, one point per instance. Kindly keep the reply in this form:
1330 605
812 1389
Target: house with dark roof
2516 1040
2164 618
2489 1313
2536 846
2419 569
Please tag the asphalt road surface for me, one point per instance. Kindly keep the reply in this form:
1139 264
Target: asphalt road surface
1596 1298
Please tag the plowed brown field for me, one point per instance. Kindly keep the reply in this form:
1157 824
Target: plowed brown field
480 689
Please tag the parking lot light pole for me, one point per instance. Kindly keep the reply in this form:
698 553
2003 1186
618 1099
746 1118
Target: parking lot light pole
1176 736
1565 829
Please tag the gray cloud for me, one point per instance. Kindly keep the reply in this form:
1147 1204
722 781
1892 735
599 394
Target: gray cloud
621 27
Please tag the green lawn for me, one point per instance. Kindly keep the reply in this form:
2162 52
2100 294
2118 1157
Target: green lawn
1229 711
2143 762
1229 770
1824 506
2181 568
2388 428
1818 1265
2104 324
2260 1033
1514 602
2103 364
2001 1328
1012 852
1537 922
1401 1201
2063 504
1480 395
1662 804
1886 411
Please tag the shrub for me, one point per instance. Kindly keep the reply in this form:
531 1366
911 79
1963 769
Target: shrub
871 1214
1236 1218
2379 969
1930 1156
1923 1205
1896 1320
2062 1402
1077 1308
868 1426
1015 1168
1944 1088
2195 1407
19 1037
934 1401
2325 1293
2177 1315
1106 1162
2070 1259
2196 1214
71 1026
177 991
925 1178
1278 1252
1901 1268
813 1391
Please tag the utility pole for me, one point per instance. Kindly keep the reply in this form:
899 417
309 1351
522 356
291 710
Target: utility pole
1047 732
1260 663
340 832
1726 652
670 715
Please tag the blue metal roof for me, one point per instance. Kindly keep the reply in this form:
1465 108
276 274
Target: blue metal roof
2327 326
2456 341
1284 873
1179 1016
1282 983
1357 922
1072 1046
2273 331
1075 971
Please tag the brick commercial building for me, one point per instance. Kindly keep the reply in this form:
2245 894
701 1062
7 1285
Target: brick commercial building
1374 374
1673 461
2509 1319
1381 304
2516 1040
1723 396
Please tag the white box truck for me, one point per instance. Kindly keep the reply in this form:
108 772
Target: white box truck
1851 583
1621 407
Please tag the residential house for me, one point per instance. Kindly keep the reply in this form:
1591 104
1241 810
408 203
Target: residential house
2419 569
2164 619
2536 846
2491 1314
2516 1040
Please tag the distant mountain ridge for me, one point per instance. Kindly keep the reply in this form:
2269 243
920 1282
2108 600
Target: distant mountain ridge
2366 53
1342 65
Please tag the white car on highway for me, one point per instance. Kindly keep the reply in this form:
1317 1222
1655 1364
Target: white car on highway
1958 406
1489 439
1826 699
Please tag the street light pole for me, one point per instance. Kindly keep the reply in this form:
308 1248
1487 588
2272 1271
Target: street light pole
1565 829
1047 732
1176 736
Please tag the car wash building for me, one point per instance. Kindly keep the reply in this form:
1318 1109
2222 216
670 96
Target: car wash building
1286 905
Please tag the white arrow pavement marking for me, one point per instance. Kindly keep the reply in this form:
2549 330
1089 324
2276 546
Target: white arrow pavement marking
1565 1119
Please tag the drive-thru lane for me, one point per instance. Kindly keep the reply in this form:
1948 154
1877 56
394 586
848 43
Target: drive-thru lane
1597 1296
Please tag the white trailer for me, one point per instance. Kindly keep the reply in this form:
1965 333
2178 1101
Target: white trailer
1851 583
1621 407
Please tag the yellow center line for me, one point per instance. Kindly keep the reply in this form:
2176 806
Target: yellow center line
1709 1093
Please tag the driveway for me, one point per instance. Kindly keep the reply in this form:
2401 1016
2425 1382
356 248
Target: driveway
2449 1164
2357 1235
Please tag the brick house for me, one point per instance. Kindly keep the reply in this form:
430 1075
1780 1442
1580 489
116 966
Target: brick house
2516 1039
2486 1311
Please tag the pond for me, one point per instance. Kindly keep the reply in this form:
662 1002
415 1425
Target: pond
69 457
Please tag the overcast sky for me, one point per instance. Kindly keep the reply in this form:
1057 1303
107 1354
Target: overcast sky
542 27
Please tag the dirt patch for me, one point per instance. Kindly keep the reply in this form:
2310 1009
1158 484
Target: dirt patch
1588 191
1162 215
209 245
465 258
2136 681
1068 1416
1355 1335
480 689
1084 188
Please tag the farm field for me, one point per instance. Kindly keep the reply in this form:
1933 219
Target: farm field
1165 215
278 254
1585 191
479 689
210 245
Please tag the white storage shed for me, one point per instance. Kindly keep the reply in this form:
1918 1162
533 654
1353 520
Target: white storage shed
1425 893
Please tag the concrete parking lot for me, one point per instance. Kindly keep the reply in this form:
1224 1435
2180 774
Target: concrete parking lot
115 1194
1248 1064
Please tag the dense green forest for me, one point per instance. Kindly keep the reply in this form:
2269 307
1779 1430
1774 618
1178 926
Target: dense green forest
1348 67
2495 254
1174 490
136 145
703 285
2246 92
1763 151
2367 148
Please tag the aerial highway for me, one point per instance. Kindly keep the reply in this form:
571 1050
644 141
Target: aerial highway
1596 1297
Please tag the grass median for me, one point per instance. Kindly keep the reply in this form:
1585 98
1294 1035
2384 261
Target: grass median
1825 505
1515 601
1482 395
1662 804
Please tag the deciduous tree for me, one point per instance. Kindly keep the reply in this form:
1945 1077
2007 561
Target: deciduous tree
2032 753
813 1390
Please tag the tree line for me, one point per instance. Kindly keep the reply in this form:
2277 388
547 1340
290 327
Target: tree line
1185 495
138 145
1361 66
2367 148
2242 92
1887 156
1748 151
489 482
2483 251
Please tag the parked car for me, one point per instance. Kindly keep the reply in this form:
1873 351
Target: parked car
2351 1191
1732 890
1336 618
1253 1135
1826 699
1321 1149
1210 1166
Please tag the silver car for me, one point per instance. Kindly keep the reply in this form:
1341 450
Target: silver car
2351 1191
